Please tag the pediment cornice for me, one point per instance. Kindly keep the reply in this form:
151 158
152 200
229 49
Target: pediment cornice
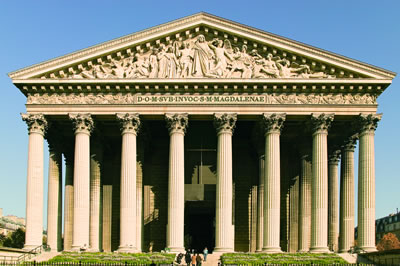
294 59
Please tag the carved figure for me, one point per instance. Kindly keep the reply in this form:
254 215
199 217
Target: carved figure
202 55
153 64
221 50
185 60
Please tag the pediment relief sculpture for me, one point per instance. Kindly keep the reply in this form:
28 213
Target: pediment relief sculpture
197 57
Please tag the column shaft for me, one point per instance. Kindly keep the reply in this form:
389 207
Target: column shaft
34 187
176 202
260 205
319 214
68 205
333 208
95 204
305 204
54 200
347 200
224 228
128 194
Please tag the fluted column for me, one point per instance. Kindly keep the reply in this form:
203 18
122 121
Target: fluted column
346 231
176 124
333 202
129 126
224 228
68 202
37 125
83 125
260 205
95 197
319 193
305 204
54 199
273 124
366 182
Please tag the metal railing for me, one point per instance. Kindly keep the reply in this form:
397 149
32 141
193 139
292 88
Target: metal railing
26 256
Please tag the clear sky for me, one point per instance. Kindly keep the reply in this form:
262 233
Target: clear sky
34 31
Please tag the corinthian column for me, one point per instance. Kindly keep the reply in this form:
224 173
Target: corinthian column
37 126
333 208
68 200
83 125
54 198
224 229
346 231
129 126
176 124
305 204
260 205
273 124
319 194
95 204
366 182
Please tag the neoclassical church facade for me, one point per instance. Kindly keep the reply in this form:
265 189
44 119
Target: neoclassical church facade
201 132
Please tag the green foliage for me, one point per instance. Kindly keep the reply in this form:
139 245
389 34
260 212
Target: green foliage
282 258
108 258
2 238
15 240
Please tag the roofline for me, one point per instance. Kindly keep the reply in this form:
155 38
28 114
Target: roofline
125 38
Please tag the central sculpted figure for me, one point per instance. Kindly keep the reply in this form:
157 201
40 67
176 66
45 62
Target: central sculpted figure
202 55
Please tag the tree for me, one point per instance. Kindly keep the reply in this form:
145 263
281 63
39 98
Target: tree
2 238
389 241
16 239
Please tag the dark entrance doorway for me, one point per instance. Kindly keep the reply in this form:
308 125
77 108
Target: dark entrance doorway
199 225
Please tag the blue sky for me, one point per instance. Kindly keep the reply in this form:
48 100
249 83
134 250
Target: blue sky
34 31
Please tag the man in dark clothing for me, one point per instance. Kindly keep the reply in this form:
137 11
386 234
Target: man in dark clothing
199 259
188 258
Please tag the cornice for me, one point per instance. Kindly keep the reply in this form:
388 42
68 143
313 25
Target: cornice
361 86
196 20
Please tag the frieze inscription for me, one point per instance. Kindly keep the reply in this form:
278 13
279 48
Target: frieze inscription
270 98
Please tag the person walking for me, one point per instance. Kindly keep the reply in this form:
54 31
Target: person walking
194 260
188 258
205 253
199 259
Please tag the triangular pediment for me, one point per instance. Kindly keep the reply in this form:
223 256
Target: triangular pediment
201 46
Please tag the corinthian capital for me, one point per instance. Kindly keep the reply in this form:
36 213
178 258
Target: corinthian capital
177 123
83 123
368 123
130 122
321 122
350 143
273 123
225 123
334 157
36 123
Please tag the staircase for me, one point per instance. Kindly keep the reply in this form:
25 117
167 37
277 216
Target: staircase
44 256
212 259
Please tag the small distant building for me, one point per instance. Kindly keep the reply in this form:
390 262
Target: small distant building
10 223
1 212
388 224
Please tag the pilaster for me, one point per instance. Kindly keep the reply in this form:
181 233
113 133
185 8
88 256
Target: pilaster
224 228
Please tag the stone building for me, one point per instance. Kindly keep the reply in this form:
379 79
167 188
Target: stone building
202 132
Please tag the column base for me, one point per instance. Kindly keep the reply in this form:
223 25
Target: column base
79 249
126 249
272 250
320 250
366 249
258 250
29 247
93 250
176 249
303 251
223 250
344 251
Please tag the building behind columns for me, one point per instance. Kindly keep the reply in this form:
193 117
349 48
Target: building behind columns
202 132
